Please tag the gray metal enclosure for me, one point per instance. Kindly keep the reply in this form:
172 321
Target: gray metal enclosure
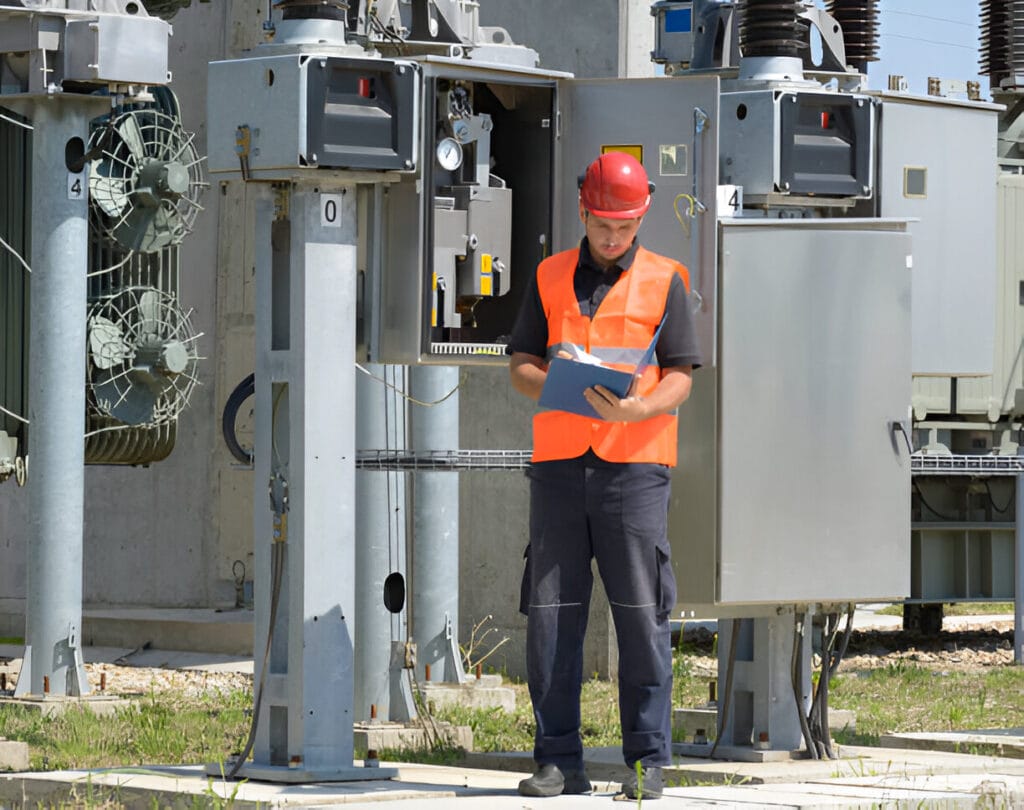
793 482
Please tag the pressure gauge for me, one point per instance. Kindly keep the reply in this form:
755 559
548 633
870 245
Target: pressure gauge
449 154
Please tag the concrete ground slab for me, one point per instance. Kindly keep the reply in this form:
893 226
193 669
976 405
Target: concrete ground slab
997 742
868 778
397 736
56 705
473 693
13 755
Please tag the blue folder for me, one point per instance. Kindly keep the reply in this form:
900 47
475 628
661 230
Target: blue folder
568 379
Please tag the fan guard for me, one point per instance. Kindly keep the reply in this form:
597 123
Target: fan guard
142 357
146 183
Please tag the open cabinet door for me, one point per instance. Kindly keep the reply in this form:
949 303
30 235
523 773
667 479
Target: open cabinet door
670 125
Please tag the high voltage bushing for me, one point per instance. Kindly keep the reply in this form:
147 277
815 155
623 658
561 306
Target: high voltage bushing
314 9
1002 39
859 21
771 28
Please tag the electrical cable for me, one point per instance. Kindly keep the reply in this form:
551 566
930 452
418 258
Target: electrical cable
730 663
929 507
928 17
13 415
819 704
16 122
794 676
930 41
992 500
277 569
430 728
831 657
675 208
406 396
245 389
16 255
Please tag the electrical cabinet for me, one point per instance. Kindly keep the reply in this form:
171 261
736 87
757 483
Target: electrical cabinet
459 239
934 152
793 484
452 283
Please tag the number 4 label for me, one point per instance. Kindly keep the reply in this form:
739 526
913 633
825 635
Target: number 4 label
76 186
330 210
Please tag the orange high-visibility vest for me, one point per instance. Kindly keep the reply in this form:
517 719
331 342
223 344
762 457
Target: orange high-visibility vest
619 333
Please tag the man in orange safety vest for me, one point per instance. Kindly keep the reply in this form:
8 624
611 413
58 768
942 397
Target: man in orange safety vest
599 487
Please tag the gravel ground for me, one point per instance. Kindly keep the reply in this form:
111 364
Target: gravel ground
971 646
123 680
117 680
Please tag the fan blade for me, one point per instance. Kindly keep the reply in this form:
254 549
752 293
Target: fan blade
126 398
108 193
150 312
131 133
106 343
148 229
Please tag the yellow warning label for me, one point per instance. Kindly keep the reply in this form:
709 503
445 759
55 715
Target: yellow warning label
433 311
635 150
485 263
486 285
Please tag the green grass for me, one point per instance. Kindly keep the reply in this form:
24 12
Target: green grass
165 728
907 698
159 729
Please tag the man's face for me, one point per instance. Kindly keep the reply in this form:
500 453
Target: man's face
608 238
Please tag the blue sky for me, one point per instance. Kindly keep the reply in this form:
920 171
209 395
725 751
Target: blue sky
922 38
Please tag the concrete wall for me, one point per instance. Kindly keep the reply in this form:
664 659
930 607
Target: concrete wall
167 536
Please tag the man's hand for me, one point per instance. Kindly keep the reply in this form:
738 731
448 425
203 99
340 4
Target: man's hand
612 409
672 390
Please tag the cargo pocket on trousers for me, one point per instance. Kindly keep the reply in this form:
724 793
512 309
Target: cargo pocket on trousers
666 584
524 586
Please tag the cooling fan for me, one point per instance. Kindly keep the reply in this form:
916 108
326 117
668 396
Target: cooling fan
146 181
142 352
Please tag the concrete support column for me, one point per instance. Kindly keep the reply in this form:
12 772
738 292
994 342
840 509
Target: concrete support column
59 260
380 529
435 555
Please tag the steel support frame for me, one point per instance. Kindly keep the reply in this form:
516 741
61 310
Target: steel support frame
305 454
762 711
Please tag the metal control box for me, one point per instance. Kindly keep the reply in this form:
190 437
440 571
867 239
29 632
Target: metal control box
784 142
117 49
461 237
312 111
793 484
936 151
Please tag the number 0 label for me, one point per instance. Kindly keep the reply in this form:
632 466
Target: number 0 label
330 210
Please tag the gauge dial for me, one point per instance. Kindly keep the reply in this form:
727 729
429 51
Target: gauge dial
449 154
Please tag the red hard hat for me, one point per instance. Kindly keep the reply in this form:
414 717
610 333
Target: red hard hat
616 187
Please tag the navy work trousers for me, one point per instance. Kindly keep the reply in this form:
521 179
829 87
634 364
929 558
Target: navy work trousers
587 508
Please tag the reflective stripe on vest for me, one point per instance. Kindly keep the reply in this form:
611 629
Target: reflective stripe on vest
618 333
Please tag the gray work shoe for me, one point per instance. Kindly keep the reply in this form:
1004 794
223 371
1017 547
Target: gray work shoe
652 788
550 780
